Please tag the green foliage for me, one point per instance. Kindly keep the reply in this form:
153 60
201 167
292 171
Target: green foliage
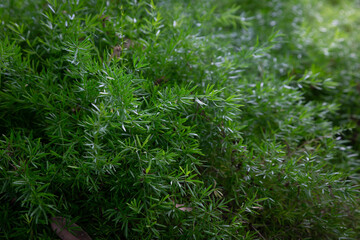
179 119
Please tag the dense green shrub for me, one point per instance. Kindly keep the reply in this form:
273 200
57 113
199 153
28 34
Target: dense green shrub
179 119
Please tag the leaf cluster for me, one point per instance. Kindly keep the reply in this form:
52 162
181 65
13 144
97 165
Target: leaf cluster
153 119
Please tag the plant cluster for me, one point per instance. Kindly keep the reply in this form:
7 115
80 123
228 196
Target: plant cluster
179 119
